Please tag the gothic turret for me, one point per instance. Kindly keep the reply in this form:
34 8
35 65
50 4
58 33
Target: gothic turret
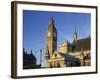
75 36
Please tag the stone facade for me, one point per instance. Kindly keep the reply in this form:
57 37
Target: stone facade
72 54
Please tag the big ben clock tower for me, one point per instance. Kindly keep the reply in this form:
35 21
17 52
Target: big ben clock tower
51 39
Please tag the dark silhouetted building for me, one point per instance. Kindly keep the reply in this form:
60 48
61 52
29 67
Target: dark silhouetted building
29 60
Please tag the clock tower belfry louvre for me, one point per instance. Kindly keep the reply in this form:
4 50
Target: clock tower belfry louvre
51 39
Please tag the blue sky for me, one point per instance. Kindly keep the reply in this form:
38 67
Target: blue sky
35 24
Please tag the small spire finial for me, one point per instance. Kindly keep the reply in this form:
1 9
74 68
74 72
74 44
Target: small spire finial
75 36
51 22
31 51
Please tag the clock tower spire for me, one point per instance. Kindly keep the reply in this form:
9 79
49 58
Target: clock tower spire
51 38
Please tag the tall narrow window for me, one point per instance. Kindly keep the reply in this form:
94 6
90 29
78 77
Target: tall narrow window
51 65
58 65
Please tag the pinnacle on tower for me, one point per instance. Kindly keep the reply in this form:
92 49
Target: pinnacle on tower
75 36
51 22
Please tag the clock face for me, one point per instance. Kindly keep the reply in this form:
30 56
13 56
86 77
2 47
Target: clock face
49 34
